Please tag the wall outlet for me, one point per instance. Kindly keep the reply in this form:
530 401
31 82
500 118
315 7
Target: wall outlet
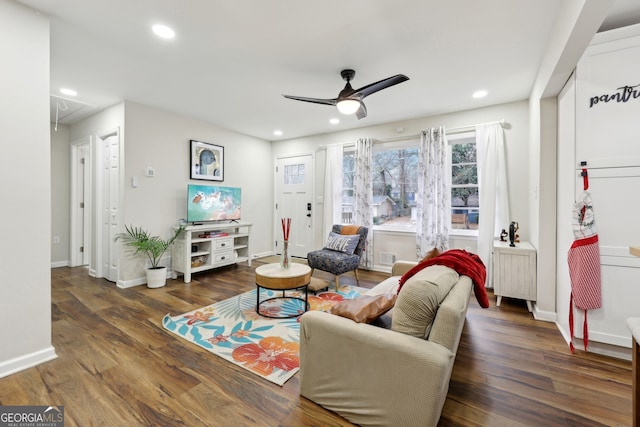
56 240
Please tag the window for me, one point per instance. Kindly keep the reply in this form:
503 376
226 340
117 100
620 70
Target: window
465 206
294 174
395 183
348 172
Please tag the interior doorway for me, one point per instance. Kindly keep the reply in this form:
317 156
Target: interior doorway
294 199
95 203
80 239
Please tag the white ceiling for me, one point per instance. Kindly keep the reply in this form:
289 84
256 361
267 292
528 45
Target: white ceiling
231 62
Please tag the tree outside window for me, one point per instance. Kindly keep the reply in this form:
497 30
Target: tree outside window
395 183
394 186
465 205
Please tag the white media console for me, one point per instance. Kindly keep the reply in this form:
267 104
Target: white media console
207 246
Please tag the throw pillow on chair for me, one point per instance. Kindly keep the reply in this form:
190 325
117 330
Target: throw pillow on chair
342 252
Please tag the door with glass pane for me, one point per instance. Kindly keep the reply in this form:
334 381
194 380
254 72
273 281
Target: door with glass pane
294 199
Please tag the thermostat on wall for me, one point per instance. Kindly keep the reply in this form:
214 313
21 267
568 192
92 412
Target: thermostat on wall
150 171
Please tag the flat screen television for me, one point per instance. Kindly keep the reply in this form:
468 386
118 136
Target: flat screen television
213 203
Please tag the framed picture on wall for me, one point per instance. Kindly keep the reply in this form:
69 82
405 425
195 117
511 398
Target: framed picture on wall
207 161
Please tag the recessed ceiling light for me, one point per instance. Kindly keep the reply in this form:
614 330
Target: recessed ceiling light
277 132
67 91
163 31
480 94
334 121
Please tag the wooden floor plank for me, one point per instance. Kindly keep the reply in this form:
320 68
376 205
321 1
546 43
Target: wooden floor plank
117 366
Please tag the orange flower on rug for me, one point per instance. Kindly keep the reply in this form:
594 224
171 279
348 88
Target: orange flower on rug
269 353
232 329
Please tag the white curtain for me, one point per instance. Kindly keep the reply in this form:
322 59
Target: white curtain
332 212
492 185
433 199
363 195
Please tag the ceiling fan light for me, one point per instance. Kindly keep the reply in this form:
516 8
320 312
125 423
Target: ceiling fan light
348 106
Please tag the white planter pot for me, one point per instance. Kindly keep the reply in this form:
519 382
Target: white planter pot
156 277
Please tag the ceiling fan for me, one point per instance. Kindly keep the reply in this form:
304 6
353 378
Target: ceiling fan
349 100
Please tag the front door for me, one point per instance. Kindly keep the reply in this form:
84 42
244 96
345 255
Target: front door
294 197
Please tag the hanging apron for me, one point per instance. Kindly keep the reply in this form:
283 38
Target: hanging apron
584 262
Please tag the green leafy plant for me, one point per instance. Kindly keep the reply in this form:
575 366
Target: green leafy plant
153 247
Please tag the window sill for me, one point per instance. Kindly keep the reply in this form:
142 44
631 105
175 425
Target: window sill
464 233
400 230
472 234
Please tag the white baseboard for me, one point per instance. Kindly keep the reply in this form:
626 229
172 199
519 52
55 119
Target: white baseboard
606 349
262 254
546 316
617 351
381 268
27 361
58 264
124 284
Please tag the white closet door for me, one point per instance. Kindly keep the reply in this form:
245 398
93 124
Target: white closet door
110 204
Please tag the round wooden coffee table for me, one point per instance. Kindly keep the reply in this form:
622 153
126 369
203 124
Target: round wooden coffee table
276 278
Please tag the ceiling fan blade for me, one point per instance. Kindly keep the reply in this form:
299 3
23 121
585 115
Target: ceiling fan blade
313 100
348 93
382 84
362 111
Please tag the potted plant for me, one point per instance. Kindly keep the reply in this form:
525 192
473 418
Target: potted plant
153 247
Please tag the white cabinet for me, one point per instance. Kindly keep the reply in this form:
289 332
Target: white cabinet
203 247
514 271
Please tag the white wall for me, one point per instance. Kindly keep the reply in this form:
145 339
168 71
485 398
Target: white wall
575 25
60 194
160 139
109 118
565 197
25 171
516 136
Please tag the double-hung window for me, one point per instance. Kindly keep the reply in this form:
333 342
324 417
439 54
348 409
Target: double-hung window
394 171
465 206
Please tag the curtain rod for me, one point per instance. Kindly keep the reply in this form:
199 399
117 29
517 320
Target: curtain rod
469 128
346 144
460 129
451 131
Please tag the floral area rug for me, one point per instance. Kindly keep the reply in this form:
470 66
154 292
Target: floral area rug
234 331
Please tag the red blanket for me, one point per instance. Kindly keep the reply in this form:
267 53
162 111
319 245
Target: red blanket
465 263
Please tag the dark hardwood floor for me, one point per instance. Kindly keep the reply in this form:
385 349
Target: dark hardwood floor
117 366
